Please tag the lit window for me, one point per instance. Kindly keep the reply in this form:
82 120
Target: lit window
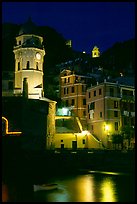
115 104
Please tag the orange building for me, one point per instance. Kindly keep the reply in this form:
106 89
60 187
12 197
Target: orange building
73 93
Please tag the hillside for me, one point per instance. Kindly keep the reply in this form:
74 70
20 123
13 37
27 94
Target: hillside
120 58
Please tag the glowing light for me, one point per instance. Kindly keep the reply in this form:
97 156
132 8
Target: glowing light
65 111
84 52
85 132
7 131
107 128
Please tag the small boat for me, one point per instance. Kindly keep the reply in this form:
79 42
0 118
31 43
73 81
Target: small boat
51 186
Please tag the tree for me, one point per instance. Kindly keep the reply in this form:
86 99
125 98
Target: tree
128 133
117 139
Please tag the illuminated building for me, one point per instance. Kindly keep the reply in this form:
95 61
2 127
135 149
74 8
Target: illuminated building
105 109
73 93
23 103
69 43
95 52
29 53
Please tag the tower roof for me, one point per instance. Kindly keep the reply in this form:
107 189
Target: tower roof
28 28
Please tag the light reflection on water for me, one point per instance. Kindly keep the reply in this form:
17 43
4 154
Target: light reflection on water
85 188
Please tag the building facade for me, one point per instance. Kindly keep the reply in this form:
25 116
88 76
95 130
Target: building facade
73 93
105 114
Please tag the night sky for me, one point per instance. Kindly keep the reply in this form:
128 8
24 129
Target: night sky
86 23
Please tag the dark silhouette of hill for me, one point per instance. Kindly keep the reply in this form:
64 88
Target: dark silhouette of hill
120 58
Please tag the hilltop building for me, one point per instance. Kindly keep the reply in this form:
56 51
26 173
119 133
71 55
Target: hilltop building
95 52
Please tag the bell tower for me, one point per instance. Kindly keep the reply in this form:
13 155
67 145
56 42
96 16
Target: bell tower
29 57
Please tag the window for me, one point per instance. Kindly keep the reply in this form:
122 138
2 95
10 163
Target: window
65 90
72 89
37 67
73 102
61 140
100 91
92 127
18 66
92 106
20 42
89 95
83 141
94 93
115 104
115 113
111 92
100 114
65 80
68 80
84 101
116 125
27 64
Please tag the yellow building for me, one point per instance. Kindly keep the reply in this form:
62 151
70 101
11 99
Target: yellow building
95 52
70 135
104 116
29 56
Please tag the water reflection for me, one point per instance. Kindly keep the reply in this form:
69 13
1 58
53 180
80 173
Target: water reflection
84 188
108 190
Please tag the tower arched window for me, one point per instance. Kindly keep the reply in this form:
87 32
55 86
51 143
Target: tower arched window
18 66
27 64
37 66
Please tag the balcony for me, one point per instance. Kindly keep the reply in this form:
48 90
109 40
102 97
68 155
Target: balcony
116 95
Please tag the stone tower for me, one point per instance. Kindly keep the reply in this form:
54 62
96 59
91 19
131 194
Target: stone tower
29 56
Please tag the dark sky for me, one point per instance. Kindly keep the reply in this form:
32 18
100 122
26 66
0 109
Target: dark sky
86 23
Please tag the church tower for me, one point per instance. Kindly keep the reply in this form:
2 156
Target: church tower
29 56
95 52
